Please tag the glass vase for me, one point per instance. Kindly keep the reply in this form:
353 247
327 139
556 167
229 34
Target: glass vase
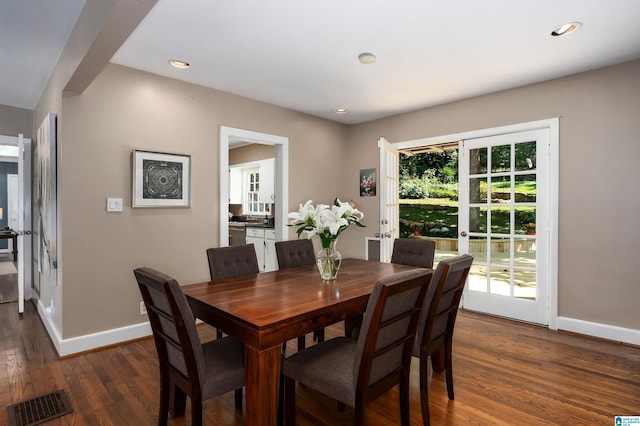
328 260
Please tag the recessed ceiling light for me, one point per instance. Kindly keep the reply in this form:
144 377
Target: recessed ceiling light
341 110
179 64
566 29
367 58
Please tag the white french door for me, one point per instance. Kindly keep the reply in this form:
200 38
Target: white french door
504 207
388 189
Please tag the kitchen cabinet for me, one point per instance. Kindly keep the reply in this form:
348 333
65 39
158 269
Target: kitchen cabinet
263 240
235 185
267 180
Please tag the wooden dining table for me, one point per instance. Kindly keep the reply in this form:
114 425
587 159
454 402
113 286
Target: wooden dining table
267 309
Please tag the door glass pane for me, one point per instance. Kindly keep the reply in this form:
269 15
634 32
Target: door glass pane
525 220
478 219
500 219
524 252
477 190
500 158
478 278
524 284
525 156
478 161
478 249
500 281
500 189
525 188
501 251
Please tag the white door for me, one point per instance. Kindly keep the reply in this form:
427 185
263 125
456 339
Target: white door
504 210
388 188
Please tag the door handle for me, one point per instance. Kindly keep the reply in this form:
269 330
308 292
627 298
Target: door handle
463 234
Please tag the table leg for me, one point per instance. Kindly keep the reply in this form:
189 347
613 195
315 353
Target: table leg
262 379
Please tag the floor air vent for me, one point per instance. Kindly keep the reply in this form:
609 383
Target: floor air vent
39 410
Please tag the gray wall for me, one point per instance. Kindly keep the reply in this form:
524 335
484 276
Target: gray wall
15 120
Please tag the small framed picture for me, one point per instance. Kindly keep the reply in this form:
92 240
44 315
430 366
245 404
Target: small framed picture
161 179
367 182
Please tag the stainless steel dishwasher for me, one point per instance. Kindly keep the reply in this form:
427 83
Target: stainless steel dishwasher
237 234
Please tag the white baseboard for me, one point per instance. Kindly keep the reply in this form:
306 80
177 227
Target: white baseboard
603 331
104 338
88 342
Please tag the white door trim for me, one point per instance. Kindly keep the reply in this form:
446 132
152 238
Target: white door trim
281 145
553 125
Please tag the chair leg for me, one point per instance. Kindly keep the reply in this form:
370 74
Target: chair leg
437 360
164 401
424 388
449 365
196 411
218 334
239 399
289 401
359 415
405 419
177 401
301 343
281 401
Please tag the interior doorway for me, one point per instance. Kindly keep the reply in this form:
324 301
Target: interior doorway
15 219
281 178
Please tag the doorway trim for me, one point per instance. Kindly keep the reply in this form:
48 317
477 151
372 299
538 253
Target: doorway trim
553 126
281 147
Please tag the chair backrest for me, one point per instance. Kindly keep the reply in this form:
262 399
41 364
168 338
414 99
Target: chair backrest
438 316
173 324
384 345
413 252
295 253
234 261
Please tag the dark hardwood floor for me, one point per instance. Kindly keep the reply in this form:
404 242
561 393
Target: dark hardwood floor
505 373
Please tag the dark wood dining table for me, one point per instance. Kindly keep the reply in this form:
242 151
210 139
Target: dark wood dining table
267 309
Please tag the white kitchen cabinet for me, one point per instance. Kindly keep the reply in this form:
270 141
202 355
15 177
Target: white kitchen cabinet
270 259
267 180
263 241
235 185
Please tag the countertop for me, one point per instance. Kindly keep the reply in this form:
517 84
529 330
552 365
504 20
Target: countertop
250 225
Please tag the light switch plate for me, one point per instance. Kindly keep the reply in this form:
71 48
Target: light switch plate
114 204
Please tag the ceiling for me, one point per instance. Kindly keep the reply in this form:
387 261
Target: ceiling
303 55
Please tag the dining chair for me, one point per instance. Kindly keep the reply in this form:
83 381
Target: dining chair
187 366
434 337
413 252
406 251
294 253
233 261
356 372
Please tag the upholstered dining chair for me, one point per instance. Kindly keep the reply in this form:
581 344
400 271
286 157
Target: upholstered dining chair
356 372
406 251
231 262
434 337
413 252
291 254
187 367
234 261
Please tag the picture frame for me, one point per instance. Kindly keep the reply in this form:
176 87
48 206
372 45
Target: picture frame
368 182
160 179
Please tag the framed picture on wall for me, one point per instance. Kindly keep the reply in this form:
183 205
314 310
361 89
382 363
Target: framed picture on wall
161 179
367 182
